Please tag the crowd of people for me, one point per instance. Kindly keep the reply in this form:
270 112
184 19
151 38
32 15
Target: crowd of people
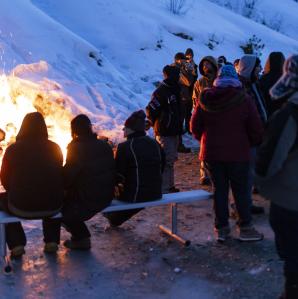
245 121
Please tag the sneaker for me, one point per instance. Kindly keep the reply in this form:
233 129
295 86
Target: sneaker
205 181
83 244
249 233
174 190
17 251
256 210
50 247
222 234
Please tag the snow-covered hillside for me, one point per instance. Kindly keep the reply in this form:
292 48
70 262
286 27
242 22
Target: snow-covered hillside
131 41
278 15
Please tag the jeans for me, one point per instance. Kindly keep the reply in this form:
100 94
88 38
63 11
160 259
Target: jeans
15 235
234 174
285 226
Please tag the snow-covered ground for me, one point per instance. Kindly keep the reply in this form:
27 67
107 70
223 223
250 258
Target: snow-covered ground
131 40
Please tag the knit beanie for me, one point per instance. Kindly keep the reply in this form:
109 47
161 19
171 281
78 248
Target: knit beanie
136 121
227 71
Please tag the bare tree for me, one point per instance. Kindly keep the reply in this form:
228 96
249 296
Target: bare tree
177 7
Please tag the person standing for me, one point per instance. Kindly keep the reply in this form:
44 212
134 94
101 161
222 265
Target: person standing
189 55
139 163
186 79
272 72
249 69
277 173
208 69
31 174
226 124
89 180
163 113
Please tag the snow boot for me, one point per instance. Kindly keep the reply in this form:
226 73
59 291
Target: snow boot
83 244
17 252
50 247
257 210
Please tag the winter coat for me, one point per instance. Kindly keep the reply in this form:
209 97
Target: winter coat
89 177
31 173
272 72
250 84
204 81
227 124
139 165
277 158
163 110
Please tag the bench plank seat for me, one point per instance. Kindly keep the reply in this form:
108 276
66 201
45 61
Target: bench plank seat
7 218
171 199
179 197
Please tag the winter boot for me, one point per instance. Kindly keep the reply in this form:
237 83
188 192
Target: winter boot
50 247
83 244
17 252
174 190
222 234
257 210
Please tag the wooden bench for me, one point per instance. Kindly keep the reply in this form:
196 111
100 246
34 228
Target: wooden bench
172 199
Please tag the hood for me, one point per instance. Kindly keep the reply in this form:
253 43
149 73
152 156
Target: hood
287 84
210 59
33 128
246 65
294 98
274 63
218 99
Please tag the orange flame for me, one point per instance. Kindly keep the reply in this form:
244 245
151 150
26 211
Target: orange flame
19 97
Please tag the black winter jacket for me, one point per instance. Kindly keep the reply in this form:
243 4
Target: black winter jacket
31 173
139 164
163 110
89 178
272 72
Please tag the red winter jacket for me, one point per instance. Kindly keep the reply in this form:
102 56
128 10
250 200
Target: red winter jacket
227 124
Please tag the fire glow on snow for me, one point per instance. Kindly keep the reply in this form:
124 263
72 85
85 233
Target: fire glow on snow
19 97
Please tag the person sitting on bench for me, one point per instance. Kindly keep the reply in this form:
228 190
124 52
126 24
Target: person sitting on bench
139 163
89 177
31 174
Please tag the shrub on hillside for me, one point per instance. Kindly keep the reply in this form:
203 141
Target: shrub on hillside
213 41
253 45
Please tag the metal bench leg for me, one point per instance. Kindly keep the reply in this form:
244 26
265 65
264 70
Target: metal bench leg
173 231
3 250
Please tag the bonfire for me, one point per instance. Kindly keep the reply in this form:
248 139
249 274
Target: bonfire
19 97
